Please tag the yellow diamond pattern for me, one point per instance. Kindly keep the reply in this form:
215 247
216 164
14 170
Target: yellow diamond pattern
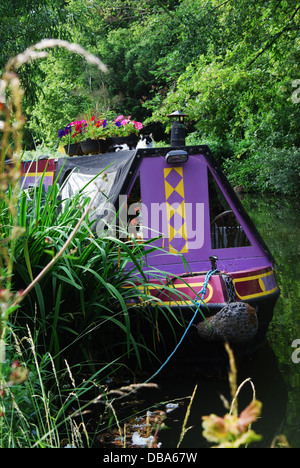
180 210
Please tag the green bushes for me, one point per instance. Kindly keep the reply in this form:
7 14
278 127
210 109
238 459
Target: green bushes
266 170
257 168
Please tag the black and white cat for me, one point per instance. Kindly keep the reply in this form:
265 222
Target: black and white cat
146 141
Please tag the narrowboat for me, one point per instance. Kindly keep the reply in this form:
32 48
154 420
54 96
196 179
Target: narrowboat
217 264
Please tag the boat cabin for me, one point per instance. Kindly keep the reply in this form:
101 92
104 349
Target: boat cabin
180 198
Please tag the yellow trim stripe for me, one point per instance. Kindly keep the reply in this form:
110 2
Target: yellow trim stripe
34 174
264 292
178 286
259 277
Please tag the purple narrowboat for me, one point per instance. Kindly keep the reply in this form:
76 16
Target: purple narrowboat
220 274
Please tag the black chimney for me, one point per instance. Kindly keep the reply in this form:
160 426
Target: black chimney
177 130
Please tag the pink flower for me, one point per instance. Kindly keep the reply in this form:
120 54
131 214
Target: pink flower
119 118
138 125
126 121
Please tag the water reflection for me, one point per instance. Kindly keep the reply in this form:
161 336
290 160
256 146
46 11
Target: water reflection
278 220
270 389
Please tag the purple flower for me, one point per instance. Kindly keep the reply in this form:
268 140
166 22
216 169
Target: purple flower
118 124
104 123
65 131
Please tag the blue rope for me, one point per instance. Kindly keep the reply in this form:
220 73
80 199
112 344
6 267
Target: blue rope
198 303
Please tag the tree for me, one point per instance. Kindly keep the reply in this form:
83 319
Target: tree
240 86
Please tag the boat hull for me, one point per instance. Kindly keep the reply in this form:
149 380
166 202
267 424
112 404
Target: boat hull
251 290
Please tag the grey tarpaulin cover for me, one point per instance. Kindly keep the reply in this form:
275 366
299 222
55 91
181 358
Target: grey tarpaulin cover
105 173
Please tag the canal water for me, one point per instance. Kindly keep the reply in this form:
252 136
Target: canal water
274 369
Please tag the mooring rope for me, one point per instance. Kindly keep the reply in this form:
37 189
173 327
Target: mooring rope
198 302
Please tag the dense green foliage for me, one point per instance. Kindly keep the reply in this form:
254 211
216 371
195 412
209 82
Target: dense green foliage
232 66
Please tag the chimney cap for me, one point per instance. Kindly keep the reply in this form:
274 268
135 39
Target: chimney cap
177 114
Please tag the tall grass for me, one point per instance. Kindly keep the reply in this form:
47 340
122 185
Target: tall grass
81 304
76 320
51 409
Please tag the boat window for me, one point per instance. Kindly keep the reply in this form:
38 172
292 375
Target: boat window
134 211
226 231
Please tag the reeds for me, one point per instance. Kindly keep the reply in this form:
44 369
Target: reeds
35 414
11 126
73 285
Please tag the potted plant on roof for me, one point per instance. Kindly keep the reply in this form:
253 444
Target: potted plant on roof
95 136
124 130
104 132
71 137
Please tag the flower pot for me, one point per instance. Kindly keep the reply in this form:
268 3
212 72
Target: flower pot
130 140
73 149
90 146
